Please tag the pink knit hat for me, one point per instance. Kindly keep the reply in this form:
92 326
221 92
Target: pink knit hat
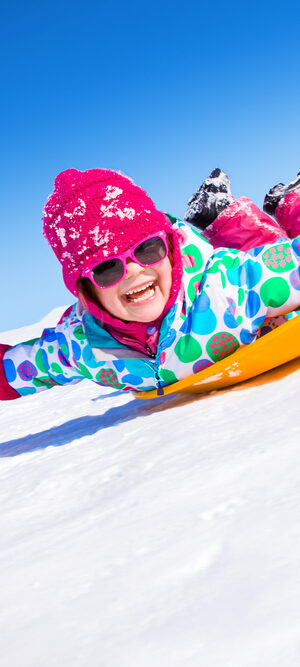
94 214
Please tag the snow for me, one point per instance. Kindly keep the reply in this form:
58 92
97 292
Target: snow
160 533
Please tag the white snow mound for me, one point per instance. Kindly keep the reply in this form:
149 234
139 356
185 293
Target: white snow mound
150 534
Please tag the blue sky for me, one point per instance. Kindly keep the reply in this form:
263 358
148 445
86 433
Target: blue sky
165 92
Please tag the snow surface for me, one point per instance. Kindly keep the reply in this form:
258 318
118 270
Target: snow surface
162 533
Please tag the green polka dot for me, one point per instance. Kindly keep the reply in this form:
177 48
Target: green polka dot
188 349
168 376
64 349
274 292
195 253
39 361
56 368
241 296
84 371
193 284
221 345
42 381
230 262
50 349
239 319
79 333
223 279
109 378
279 258
214 268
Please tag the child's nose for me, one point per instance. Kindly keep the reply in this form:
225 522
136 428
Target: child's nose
132 268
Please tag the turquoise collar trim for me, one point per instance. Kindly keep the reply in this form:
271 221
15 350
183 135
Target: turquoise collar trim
97 336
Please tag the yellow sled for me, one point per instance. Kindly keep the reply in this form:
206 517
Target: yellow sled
274 349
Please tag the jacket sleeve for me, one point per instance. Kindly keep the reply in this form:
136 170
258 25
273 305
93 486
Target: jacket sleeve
43 362
7 393
243 225
249 287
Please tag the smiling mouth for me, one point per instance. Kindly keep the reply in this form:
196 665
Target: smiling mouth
141 293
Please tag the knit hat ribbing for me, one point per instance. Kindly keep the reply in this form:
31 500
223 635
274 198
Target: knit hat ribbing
97 213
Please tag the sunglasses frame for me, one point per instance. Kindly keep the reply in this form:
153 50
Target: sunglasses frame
88 272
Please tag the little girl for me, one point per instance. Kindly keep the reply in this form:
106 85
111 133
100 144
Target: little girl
156 302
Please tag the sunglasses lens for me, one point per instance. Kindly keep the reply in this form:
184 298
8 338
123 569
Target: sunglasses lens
107 273
151 251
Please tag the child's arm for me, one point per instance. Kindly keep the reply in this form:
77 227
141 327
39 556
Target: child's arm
259 284
35 365
43 362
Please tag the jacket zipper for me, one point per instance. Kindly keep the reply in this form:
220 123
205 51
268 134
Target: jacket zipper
152 355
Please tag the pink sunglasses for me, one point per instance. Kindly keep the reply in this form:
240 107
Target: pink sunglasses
152 250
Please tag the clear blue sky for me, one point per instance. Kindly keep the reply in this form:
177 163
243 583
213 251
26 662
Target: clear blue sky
164 91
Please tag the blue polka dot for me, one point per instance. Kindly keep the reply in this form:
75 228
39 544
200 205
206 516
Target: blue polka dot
257 322
186 326
204 323
76 350
89 359
229 315
62 359
250 273
201 365
233 276
254 252
295 278
10 370
26 390
252 304
62 341
138 366
132 379
119 365
296 246
202 318
167 342
45 359
62 379
246 336
202 303
49 335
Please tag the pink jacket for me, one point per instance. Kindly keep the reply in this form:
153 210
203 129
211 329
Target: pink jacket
241 225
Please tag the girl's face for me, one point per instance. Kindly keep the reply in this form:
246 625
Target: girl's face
142 294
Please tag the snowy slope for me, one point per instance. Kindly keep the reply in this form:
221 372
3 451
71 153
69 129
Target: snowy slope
138 534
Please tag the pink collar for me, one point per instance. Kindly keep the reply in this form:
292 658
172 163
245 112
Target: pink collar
141 336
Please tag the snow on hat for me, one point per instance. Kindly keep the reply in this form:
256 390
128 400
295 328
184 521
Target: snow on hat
94 214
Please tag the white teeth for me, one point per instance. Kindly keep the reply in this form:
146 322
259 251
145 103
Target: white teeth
143 297
146 294
139 289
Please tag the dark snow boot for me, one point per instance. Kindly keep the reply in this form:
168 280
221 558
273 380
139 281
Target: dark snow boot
276 193
209 200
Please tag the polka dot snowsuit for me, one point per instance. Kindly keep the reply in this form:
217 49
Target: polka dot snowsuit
225 298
